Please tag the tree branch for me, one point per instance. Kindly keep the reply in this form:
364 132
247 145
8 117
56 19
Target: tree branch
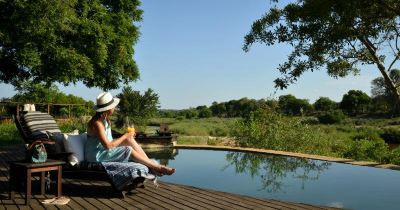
381 67
394 61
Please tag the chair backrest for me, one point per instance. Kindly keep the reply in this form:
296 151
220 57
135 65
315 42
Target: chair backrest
35 125
40 121
164 128
20 128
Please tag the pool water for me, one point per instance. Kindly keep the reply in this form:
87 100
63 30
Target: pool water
285 178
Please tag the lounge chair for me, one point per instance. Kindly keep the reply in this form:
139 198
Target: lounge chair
164 130
36 125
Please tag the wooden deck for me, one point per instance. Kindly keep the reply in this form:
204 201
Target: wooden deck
100 195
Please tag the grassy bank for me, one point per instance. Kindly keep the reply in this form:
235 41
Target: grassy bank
197 127
355 138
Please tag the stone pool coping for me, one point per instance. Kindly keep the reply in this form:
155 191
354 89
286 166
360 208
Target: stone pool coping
291 154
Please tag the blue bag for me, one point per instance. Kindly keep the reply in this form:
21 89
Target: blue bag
36 152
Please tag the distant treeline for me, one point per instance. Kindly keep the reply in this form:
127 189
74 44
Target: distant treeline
353 103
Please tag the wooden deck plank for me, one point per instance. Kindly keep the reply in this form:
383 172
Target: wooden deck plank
183 198
130 202
184 202
228 198
100 195
216 201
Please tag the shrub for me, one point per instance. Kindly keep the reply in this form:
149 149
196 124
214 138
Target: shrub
266 128
368 150
332 117
367 134
394 156
391 135
219 132
71 125
360 122
310 121
9 134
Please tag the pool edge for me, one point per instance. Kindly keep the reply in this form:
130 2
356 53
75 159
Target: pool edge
291 154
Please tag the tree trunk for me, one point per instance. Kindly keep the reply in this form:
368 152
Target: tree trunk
126 122
382 69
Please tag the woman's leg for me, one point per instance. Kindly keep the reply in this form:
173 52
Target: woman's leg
144 160
141 157
135 146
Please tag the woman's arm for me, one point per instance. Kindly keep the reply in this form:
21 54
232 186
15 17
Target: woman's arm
99 132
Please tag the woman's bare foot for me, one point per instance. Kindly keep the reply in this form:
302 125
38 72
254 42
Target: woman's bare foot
164 170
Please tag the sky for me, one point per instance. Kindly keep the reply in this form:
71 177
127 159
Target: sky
190 53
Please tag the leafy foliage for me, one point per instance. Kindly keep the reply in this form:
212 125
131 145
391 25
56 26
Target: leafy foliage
383 97
236 108
137 107
266 128
332 117
324 104
204 112
39 93
338 35
290 105
391 135
365 149
69 41
355 102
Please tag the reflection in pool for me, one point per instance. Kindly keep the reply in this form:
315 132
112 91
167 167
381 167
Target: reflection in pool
284 178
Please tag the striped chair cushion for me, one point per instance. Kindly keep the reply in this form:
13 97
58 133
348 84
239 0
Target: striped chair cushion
38 123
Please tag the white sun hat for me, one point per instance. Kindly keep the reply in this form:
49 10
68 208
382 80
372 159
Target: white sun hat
105 101
29 108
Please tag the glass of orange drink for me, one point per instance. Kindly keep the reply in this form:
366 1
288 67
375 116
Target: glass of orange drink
130 129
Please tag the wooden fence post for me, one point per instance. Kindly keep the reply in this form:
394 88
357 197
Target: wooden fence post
48 108
17 110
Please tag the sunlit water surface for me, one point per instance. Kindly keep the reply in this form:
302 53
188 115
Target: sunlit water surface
284 178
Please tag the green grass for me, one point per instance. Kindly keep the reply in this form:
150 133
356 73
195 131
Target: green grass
9 134
195 140
203 127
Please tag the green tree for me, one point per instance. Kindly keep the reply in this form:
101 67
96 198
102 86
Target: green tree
332 116
324 104
69 41
39 93
204 112
355 102
340 35
291 105
136 107
190 113
218 109
383 98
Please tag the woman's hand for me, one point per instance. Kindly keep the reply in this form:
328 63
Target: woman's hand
129 135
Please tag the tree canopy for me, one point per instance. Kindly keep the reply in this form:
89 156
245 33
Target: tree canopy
355 102
69 41
382 96
339 35
324 104
137 107
41 95
290 105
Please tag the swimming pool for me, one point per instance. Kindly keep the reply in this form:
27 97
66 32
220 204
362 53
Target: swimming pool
285 178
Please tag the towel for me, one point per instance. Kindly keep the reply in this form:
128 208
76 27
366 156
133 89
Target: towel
56 201
122 174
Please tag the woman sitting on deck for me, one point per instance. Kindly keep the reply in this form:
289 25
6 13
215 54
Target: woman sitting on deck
101 147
